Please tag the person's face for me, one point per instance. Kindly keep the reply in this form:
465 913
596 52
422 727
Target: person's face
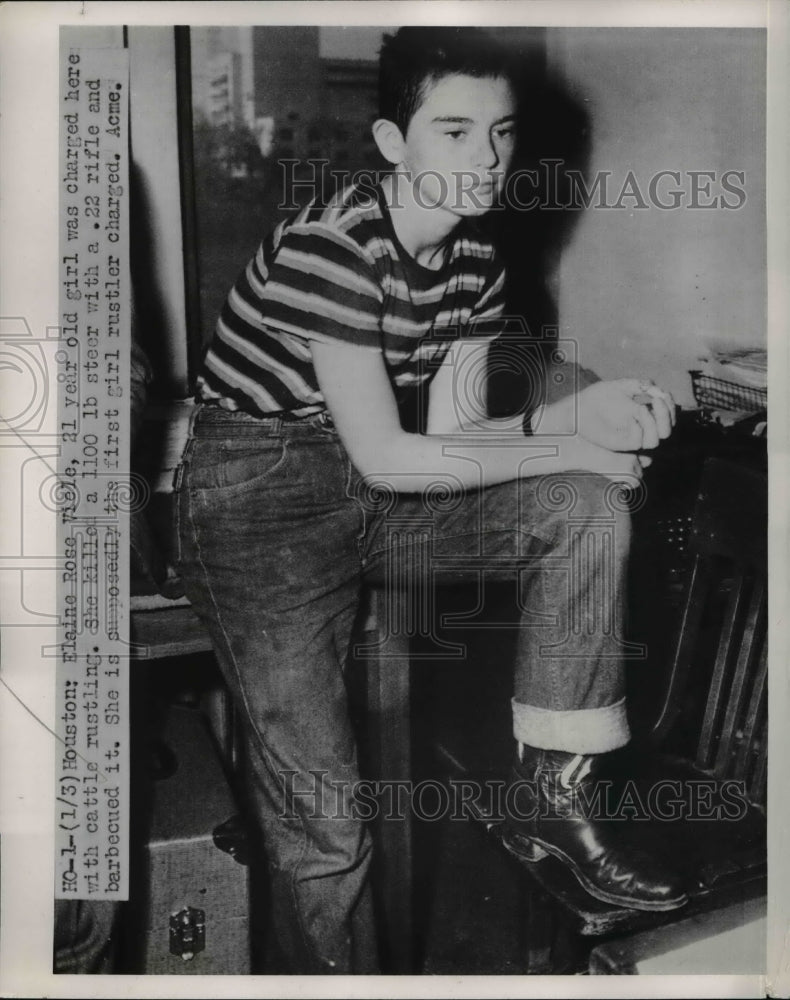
459 143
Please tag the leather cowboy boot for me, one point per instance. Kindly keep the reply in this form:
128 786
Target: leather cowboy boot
553 791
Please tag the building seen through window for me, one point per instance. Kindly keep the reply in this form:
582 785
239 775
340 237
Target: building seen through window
263 95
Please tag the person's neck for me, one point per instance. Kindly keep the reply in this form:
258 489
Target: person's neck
422 231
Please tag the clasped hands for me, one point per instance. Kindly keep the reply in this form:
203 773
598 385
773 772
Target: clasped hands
615 422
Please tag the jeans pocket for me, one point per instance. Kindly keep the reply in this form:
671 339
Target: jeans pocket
230 468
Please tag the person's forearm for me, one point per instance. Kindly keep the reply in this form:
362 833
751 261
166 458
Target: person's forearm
481 425
412 462
358 393
560 381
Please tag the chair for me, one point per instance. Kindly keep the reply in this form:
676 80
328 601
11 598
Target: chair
708 736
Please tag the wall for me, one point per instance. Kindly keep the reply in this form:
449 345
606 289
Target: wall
642 289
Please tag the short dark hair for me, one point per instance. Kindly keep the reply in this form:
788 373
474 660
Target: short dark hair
414 57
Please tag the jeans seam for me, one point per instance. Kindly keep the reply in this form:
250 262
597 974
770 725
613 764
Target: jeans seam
179 548
178 487
471 534
363 523
251 722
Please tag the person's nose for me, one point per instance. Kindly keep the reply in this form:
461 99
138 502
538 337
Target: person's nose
487 155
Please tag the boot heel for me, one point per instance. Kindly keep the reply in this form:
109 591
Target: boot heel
523 848
533 852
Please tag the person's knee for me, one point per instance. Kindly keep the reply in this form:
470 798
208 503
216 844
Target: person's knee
586 500
334 845
602 500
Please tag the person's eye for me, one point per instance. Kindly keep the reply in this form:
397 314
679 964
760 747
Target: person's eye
506 134
455 133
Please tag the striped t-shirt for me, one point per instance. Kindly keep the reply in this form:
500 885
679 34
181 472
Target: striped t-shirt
337 272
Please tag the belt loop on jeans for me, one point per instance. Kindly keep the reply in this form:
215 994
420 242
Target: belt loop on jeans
189 445
325 419
197 406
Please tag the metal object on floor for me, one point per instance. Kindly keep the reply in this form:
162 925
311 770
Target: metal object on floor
191 912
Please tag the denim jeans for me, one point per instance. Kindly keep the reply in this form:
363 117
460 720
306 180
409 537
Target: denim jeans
278 532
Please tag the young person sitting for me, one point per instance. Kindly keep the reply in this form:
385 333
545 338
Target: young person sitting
343 307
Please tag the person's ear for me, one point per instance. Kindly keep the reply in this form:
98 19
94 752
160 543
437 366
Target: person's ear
389 139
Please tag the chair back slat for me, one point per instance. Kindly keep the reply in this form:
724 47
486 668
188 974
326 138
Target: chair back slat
717 692
685 646
749 644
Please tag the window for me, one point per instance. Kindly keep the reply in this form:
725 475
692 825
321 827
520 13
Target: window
240 183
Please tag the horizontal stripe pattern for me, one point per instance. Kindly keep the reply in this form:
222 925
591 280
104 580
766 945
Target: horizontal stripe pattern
337 273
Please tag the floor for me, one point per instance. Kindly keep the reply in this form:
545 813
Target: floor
472 894
473 904
475 916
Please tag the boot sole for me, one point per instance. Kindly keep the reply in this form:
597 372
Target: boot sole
537 850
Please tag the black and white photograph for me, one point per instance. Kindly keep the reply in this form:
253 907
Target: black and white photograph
396 408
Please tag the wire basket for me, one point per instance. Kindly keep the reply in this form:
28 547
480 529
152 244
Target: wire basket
718 394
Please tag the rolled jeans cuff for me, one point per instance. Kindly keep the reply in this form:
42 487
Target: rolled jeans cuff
583 730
